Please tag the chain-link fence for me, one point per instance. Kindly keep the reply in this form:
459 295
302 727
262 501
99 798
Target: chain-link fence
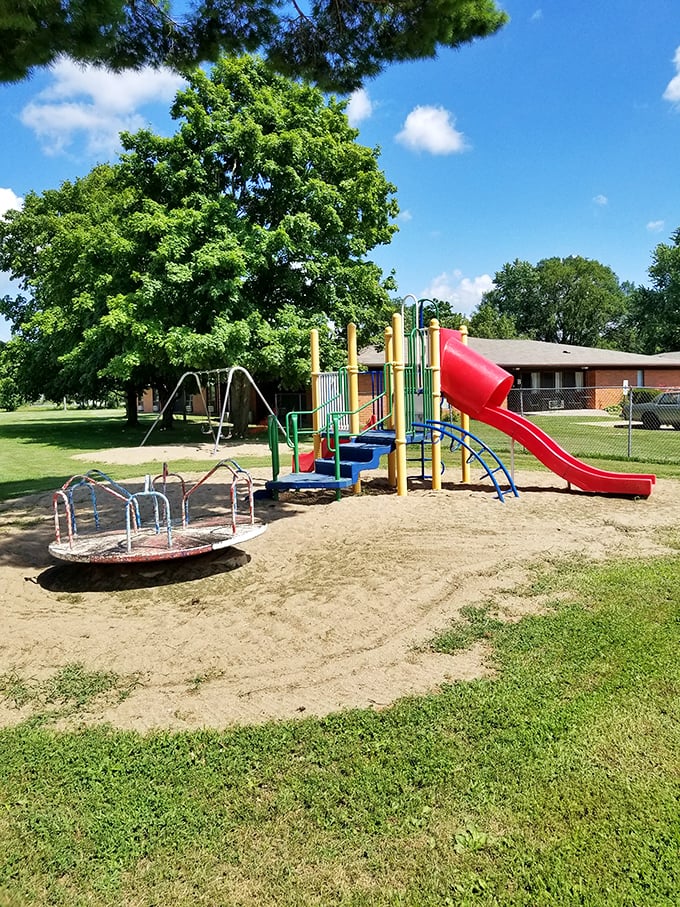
640 425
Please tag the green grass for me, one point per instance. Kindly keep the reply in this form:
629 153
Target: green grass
556 781
476 623
37 446
66 694
601 440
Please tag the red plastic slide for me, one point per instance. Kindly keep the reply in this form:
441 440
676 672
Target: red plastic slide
479 387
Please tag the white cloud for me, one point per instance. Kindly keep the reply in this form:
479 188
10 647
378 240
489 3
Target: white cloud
9 199
95 103
432 129
405 216
656 226
536 16
359 107
464 293
601 200
672 92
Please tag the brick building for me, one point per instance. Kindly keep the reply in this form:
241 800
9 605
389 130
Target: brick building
564 376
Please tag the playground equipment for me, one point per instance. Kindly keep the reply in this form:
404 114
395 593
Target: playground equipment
125 526
479 387
438 364
473 450
222 377
406 412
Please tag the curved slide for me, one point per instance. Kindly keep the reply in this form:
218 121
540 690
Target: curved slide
479 387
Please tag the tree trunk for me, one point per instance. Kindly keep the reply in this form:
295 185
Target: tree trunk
163 398
131 406
240 404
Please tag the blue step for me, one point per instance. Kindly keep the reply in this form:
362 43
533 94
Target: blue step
299 480
378 436
357 451
355 460
388 436
356 456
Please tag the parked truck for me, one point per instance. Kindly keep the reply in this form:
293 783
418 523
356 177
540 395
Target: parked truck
662 410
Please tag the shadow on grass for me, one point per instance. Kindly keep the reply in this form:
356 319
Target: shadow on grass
22 487
96 433
80 431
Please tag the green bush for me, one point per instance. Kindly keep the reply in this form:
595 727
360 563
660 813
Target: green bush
645 394
10 398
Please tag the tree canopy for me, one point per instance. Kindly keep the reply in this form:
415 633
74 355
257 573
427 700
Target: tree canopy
487 321
221 245
560 300
655 310
336 43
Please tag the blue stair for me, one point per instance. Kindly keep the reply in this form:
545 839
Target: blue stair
298 480
355 457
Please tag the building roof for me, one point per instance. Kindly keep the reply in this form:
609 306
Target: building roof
536 354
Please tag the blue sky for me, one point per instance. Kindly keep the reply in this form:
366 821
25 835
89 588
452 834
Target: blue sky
558 136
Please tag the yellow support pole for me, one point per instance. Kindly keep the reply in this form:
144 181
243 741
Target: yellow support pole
435 368
399 402
316 381
353 375
464 424
389 401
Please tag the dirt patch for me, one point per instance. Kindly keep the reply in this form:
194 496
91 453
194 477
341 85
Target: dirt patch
331 608
131 456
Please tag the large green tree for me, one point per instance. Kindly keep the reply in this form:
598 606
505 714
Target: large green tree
487 321
560 300
336 43
655 310
10 394
65 250
221 245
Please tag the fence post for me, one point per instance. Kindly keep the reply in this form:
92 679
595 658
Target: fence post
630 422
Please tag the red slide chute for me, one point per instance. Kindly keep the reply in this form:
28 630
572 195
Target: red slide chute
479 387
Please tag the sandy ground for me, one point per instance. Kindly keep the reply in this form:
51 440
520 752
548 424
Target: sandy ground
331 608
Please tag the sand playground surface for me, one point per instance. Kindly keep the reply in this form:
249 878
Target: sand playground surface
331 608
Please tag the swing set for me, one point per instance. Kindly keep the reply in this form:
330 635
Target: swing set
222 379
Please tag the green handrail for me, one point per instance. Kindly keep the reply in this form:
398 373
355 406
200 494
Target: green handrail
273 440
293 417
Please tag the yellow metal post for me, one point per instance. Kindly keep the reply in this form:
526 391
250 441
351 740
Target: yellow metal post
435 368
399 402
389 402
464 424
353 375
316 380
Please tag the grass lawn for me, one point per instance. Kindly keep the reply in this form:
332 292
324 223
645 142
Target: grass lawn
602 441
556 782
37 444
